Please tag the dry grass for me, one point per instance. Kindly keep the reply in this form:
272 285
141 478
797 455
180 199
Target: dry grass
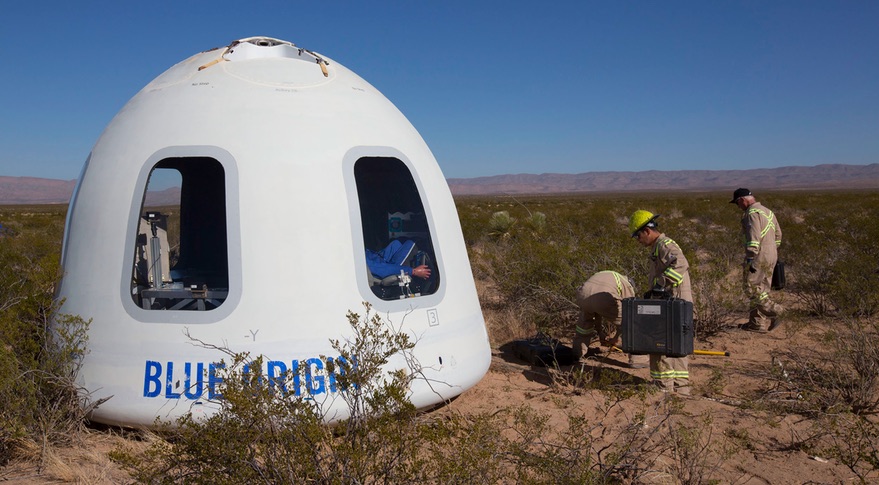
86 461
505 323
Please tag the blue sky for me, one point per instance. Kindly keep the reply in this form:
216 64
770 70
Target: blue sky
494 87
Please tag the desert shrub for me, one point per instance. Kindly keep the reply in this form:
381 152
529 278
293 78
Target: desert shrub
856 363
696 455
542 454
464 448
836 385
664 444
714 253
717 298
537 221
262 434
614 385
501 223
38 361
715 383
839 376
530 450
538 266
851 440
834 255
740 438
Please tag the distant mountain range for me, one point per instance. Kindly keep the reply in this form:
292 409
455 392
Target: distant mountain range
830 176
31 190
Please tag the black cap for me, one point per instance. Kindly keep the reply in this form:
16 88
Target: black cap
738 194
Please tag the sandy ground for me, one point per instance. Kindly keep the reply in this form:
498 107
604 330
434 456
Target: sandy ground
767 456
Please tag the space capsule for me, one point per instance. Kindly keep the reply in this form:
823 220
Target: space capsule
232 201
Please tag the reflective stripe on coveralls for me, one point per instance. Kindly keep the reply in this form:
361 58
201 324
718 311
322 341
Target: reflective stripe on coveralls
670 374
769 224
672 275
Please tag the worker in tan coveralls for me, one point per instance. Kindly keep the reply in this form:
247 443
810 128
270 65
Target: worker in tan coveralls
601 314
669 271
762 237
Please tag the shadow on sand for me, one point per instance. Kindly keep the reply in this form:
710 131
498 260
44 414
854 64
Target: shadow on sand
602 368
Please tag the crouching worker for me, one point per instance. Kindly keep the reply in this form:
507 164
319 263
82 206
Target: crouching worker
601 314
669 271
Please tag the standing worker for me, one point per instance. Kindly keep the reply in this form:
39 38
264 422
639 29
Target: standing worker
669 272
601 313
762 237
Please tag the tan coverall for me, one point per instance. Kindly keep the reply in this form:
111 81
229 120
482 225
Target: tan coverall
601 312
669 269
762 236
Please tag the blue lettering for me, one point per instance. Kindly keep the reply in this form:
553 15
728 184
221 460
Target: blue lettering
199 380
277 374
169 379
314 384
245 374
321 376
295 371
152 386
214 380
331 373
343 367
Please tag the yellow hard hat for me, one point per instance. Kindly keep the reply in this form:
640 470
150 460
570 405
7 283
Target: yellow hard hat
640 219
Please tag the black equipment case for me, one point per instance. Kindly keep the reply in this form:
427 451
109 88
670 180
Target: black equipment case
543 351
778 276
662 327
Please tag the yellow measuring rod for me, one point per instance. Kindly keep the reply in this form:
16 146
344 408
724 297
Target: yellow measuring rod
711 352
695 352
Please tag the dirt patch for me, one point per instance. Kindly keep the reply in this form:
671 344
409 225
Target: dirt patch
764 444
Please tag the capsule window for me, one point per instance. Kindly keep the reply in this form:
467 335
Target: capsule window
181 248
399 254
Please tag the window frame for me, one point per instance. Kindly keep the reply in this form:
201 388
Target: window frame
357 233
233 238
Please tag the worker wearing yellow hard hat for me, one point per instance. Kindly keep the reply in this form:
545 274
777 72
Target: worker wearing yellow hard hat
641 219
669 272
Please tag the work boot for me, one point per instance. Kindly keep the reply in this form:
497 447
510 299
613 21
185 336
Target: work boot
750 327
